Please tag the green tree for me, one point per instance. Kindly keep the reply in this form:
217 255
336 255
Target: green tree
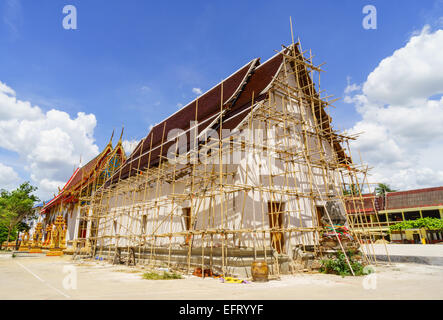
16 206
21 226
382 188
4 234
351 190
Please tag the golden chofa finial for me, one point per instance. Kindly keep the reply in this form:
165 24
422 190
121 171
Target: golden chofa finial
121 135
292 30
112 137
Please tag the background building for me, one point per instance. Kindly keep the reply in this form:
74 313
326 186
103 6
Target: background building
376 213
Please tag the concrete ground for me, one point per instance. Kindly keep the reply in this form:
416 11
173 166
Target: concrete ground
416 253
42 278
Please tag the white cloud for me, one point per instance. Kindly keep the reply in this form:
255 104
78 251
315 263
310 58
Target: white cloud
6 90
8 177
412 74
402 121
129 145
197 91
50 142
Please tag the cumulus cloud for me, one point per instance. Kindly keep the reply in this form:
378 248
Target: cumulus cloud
8 177
129 145
414 72
50 142
6 90
197 91
402 114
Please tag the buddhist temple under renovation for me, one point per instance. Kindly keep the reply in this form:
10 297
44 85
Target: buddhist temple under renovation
251 170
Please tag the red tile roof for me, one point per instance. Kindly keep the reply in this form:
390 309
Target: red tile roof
238 90
206 106
426 197
414 198
369 204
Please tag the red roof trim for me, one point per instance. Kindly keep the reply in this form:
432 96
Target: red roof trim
419 206
424 190
50 203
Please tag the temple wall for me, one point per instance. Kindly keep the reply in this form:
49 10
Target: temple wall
72 223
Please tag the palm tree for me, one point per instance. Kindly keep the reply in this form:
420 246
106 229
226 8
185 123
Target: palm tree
382 188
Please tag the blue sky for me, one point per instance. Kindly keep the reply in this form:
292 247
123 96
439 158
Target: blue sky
133 63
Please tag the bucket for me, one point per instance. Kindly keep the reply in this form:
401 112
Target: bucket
259 271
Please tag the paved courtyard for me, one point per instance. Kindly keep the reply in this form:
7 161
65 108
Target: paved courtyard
43 277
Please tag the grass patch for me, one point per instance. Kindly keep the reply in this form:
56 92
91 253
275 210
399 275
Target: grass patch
127 271
161 276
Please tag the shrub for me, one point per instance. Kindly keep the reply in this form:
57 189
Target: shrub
338 265
428 223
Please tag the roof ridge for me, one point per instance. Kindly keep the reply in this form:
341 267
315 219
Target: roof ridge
203 94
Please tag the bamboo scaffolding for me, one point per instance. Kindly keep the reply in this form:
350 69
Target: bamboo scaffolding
293 167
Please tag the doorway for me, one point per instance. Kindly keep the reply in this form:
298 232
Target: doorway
83 226
275 213
321 211
416 237
187 220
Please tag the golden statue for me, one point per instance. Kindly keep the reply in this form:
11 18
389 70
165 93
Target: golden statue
63 235
47 242
24 245
36 245
56 247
